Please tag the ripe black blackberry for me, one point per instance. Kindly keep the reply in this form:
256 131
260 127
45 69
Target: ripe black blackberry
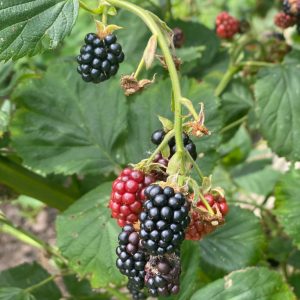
131 259
136 293
99 59
164 220
158 136
163 274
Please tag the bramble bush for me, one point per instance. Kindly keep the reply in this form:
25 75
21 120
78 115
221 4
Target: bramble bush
156 129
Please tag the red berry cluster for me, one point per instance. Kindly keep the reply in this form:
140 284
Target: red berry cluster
227 26
283 20
200 225
127 195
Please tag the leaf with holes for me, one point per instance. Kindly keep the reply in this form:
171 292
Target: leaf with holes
28 27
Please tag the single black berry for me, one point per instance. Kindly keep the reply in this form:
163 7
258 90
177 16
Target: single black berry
99 59
157 137
164 220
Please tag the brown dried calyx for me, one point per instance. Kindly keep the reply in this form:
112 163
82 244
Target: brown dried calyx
177 61
131 85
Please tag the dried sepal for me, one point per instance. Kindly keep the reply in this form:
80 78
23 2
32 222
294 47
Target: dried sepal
197 127
149 53
177 61
104 30
131 85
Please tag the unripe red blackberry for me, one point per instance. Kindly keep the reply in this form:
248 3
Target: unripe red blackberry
131 259
127 195
99 59
283 20
164 220
202 223
163 275
178 37
226 26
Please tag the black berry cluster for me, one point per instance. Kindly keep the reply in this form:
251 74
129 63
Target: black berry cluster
99 59
131 259
164 220
158 136
163 274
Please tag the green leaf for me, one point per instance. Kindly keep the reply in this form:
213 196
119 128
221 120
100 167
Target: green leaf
278 109
65 125
294 281
237 244
260 182
12 293
287 205
250 283
88 237
235 103
28 27
26 275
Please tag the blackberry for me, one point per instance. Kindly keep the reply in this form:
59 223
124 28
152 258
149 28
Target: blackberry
291 7
158 136
163 274
164 220
283 20
226 25
131 259
178 37
136 293
99 59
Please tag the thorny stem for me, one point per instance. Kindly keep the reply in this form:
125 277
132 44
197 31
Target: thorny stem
148 19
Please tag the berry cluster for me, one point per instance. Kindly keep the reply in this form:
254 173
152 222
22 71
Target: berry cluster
227 26
158 136
99 58
164 220
131 260
201 223
283 20
178 37
162 275
127 195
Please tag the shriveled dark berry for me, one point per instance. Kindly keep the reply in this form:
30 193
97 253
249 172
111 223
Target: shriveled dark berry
163 274
100 58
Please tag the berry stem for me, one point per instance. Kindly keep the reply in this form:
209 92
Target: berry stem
40 284
139 68
152 24
195 165
210 210
234 124
104 15
95 11
226 80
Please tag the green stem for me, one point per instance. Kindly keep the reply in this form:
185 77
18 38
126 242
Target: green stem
234 124
163 144
195 165
226 79
88 9
30 184
7 227
40 284
139 68
210 210
256 64
116 293
104 15
155 29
